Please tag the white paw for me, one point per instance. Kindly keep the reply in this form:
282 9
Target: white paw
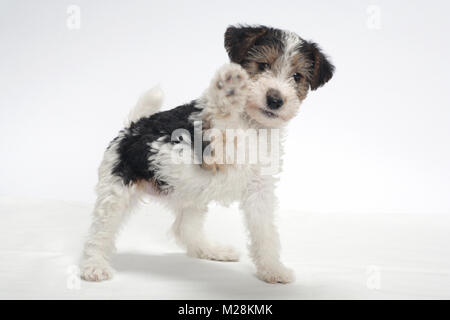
96 271
275 274
215 252
230 88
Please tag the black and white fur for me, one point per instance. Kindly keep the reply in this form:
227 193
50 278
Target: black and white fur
270 73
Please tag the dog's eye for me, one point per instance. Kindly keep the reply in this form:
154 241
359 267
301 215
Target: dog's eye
297 77
263 66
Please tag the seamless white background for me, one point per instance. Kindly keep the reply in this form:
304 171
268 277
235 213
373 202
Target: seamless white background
366 179
376 138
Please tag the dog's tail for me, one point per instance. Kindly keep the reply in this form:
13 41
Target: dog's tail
149 103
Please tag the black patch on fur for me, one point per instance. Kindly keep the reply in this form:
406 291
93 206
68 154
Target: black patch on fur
322 69
134 146
240 39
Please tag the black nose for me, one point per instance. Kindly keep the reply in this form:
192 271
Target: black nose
274 100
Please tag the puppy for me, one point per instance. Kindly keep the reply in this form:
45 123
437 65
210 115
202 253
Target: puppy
270 74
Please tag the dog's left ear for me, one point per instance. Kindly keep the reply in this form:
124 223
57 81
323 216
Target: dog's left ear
322 69
239 39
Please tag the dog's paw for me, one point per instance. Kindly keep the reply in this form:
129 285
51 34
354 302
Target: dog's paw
214 252
275 274
96 271
229 88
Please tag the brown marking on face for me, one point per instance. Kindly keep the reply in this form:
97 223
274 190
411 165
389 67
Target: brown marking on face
258 55
300 64
270 55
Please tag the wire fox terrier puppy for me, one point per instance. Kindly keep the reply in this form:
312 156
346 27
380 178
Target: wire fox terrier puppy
186 157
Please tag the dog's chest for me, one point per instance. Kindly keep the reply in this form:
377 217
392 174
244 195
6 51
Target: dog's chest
229 185
199 186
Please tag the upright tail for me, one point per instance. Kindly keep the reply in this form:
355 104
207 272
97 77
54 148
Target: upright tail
149 103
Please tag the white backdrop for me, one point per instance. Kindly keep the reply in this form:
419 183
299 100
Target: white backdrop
364 196
374 139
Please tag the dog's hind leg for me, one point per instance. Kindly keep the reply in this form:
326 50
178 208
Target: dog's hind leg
114 202
189 233
111 208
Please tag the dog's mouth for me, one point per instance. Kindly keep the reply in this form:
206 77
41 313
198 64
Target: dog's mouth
268 113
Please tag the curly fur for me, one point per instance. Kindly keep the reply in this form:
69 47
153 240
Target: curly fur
267 63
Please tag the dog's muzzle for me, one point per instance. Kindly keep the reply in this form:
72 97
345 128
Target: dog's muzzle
273 99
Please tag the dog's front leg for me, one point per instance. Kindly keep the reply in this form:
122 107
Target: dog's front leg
223 105
258 206
189 233
226 96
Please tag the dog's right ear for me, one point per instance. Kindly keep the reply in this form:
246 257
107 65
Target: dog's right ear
239 39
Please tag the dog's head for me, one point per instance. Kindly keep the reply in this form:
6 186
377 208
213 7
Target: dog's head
282 68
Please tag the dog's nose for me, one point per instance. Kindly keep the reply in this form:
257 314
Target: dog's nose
274 100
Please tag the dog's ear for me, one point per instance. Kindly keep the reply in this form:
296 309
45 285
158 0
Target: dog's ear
239 39
322 69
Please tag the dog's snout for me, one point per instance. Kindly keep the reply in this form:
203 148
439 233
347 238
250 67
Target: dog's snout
274 99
